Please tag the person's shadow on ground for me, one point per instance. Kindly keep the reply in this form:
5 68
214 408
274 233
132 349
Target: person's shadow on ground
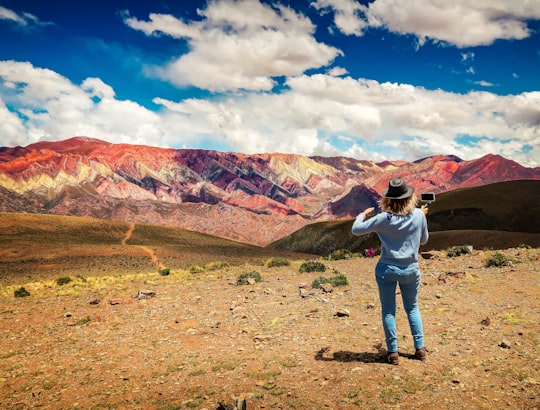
363 357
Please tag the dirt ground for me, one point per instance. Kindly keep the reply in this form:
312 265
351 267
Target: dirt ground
201 341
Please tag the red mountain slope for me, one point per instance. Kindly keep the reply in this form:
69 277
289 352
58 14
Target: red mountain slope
249 198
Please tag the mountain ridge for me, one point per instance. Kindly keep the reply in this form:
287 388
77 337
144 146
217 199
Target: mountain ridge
252 198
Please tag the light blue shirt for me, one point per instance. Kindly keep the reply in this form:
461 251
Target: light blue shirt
400 235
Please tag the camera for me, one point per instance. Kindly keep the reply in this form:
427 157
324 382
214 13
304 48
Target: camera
427 197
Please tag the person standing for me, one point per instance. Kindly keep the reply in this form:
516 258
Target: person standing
402 228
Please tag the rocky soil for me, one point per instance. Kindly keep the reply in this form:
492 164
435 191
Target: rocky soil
201 341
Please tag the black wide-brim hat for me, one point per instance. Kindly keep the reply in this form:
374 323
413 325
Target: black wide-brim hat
398 189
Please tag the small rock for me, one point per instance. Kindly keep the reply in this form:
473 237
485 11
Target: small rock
115 301
145 294
443 277
67 314
251 281
486 322
343 312
327 287
302 285
370 305
94 302
225 406
262 338
438 295
505 344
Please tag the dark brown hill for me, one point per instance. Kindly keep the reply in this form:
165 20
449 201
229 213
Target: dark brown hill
504 206
500 215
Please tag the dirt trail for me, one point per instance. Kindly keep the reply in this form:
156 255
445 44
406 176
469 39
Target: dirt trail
152 254
128 233
148 250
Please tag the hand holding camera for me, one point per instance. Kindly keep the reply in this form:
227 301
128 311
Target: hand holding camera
428 198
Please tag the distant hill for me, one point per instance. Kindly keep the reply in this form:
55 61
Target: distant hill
499 215
34 246
253 199
505 206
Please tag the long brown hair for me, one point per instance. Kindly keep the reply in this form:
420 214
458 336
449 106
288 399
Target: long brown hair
403 206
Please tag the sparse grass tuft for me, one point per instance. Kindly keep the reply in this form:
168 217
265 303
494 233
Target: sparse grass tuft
497 260
290 361
263 375
244 278
82 321
223 366
458 251
216 266
196 269
312 266
512 318
339 254
277 262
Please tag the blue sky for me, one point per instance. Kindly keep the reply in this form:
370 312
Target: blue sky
376 80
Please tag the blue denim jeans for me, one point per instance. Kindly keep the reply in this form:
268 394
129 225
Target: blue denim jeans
388 276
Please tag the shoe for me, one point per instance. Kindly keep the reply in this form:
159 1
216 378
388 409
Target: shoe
393 358
421 354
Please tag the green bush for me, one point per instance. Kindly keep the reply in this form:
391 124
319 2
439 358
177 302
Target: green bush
21 293
312 266
458 251
164 271
497 260
338 279
243 278
277 262
317 282
339 254
64 280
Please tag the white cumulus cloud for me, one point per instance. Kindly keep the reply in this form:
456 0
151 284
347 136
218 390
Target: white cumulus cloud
50 106
462 23
238 44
